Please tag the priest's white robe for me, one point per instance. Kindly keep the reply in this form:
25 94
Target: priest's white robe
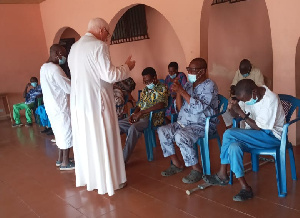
56 88
99 162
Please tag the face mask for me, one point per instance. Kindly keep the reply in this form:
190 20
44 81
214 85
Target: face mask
150 86
34 84
173 76
192 78
251 101
62 60
246 75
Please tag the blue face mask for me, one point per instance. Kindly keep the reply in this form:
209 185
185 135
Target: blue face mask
150 86
246 75
62 60
34 84
192 78
252 101
173 76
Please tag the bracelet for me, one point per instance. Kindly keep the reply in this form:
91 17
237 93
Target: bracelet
246 116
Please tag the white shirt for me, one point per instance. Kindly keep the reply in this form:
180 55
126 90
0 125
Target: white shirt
268 113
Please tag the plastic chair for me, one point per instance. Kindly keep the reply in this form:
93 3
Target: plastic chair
289 104
37 102
203 142
149 132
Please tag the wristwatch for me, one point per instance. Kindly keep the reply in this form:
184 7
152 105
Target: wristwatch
246 116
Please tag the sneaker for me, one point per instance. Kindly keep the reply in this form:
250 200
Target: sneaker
46 130
17 124
70 166
28 124
243 195
53 140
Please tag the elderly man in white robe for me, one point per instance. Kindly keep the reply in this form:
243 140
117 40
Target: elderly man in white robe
97 144
56 89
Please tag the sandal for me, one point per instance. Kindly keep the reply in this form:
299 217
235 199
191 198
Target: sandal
194 176
243 195
58 163
171 170
215 180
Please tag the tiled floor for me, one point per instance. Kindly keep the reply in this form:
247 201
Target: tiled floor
31 186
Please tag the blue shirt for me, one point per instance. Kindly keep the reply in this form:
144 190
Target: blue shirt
203 103
31 95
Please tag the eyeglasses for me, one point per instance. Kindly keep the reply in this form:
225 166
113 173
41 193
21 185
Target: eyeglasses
194 70
108 34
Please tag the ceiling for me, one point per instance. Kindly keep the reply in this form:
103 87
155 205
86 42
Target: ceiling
21 1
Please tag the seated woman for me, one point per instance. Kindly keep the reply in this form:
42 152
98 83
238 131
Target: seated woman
173 74
121 89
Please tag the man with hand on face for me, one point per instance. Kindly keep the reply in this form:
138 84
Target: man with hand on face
153 97
262 111
30 97
195 101
56 88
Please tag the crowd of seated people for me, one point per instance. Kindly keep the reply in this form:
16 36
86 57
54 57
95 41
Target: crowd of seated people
194 97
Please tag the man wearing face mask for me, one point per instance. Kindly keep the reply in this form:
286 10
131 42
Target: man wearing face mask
195 101
153 97
56 88
173 74
30 97
246 71
263 113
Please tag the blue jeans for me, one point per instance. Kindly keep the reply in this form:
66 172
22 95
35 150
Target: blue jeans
236 141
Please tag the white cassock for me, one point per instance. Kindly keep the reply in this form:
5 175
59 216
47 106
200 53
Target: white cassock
97 144
56 88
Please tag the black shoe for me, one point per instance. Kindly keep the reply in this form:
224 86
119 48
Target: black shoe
50 132
28 124
46 130
243 195
17 125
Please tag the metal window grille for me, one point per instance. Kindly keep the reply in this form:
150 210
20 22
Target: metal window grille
132 26
223 1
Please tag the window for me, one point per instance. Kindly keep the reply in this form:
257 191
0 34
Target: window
132 26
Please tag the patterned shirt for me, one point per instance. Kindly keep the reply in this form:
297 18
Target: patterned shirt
151 97
169 83
203 103
31 95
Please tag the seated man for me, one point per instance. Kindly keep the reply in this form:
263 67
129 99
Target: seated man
264 116
246 71
153 97
195 101
180 77
121 89
30 97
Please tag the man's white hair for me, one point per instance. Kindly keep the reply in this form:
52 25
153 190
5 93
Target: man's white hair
96 24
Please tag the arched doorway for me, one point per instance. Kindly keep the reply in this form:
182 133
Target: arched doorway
157 52
232 32
66 37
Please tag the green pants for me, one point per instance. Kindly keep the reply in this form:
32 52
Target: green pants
21 106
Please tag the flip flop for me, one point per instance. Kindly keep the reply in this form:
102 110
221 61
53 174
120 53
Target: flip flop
215 180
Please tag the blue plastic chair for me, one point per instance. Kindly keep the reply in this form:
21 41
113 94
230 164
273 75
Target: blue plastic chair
149 132
203 142
289 104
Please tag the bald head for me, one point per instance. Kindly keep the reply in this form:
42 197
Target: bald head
55 48
56 53
95 25
245 66
200 63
